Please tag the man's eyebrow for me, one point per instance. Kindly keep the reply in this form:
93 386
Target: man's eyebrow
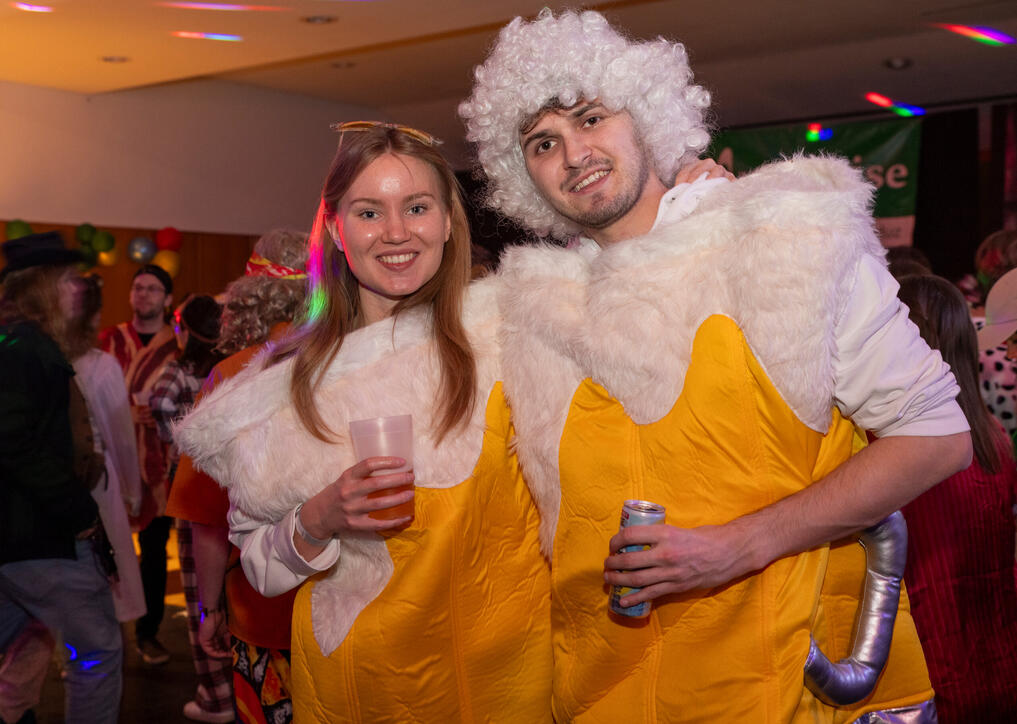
578 111
575 112
536 136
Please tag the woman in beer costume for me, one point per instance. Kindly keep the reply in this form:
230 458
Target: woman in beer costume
442 617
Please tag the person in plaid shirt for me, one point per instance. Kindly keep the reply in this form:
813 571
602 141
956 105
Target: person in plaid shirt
196 326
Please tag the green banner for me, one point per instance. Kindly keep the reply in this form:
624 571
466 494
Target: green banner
886 150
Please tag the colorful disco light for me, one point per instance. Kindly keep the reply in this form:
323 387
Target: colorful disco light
901 109
32 8
221 6
207 36
317 296
979 33
816 132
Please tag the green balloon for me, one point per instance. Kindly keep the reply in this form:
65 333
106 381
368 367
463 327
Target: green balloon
16 228
102 241
84 233
90 254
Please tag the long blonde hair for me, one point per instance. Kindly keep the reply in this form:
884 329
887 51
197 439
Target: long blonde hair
333 305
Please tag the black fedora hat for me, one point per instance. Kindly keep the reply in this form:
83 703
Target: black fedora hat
46 249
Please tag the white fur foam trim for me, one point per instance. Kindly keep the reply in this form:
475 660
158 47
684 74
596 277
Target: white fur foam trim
537 306
247 436
363 571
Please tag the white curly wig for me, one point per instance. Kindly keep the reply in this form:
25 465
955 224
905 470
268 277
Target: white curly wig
567 59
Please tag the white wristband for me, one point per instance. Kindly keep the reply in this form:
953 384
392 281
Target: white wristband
302 531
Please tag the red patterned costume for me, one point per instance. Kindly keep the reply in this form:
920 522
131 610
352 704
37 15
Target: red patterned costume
142 365
960 576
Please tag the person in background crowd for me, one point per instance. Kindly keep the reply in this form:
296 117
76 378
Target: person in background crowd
150 299
995 257
960 568
196 330
23 668
119 493
143 346
53 555
904 261
707 347
258 307
196 327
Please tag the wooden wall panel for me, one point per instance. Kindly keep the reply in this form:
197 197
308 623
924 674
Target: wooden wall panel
208 262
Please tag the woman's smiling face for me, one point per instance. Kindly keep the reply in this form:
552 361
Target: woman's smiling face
392 224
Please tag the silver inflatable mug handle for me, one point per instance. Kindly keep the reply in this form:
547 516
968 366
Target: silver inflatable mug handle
852 679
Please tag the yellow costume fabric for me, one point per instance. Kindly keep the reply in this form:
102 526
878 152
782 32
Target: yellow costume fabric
460 633
728 447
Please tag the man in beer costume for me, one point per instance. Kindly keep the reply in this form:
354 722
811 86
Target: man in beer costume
705 347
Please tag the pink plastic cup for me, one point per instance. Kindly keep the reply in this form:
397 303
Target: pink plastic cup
386 437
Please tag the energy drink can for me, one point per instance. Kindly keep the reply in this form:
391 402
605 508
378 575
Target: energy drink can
635 512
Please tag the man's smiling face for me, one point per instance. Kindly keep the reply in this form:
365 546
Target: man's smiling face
587 162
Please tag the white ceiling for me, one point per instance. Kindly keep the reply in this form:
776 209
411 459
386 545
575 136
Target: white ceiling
763 60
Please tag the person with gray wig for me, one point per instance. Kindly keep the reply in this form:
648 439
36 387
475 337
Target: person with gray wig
258 308
710 347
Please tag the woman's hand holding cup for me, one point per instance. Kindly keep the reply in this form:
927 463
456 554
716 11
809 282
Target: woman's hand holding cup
345 505
365 497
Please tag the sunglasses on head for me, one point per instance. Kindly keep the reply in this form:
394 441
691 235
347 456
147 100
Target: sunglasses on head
422 136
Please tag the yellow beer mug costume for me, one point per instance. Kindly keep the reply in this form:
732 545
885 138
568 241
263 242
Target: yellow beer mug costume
648 370
444 621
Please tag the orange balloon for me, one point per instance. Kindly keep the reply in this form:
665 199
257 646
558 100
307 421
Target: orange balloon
109 258
168 260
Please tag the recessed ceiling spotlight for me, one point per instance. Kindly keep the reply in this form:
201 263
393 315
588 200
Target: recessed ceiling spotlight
898 62
32 8
319 19
114 59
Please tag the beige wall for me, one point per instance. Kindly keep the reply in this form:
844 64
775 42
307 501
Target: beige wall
203 156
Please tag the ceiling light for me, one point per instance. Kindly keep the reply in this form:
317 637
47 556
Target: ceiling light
32 8
816 132
898 62
114 59
207 36
319 19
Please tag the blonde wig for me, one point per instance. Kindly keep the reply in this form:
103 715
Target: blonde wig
562 61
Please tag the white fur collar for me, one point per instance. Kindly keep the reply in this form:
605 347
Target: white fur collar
247 436
776 251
